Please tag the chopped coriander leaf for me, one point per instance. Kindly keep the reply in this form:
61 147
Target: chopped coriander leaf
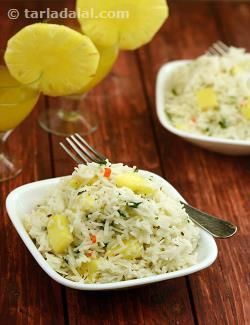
81 192
223 123
182 233
133 204
174 92
136 170
102 162
121 213
169 116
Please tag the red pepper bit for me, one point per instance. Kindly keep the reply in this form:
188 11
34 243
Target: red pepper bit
89 254
194 120
93 238
107 172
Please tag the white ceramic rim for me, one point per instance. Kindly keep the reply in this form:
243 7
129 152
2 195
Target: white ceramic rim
160 109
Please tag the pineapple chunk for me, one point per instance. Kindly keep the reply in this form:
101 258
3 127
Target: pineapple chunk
135 182
181 126
76 181
245 109
235 70
206 98
89 268
131 250
59 234
87 202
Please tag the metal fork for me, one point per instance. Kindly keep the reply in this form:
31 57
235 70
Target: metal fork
218 48
81 152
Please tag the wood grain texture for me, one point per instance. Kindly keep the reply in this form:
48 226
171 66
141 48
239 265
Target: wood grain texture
129 132
28 295
214 183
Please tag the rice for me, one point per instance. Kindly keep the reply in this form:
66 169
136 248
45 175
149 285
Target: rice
229 78
135 235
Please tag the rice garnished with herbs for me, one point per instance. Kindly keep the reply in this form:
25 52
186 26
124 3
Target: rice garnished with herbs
211 96
109 223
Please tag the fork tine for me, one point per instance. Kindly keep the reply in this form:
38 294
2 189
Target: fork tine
74 157
219 49
212 51
82 149
86 152
96 153
85 158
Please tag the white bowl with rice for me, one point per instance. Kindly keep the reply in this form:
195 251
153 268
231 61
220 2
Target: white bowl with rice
222 127
132 238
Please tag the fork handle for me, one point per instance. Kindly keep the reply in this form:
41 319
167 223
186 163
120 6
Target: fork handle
215 226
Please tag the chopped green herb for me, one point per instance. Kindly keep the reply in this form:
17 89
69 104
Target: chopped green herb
223 123
49 215
79 193
136 170
133 204
170 117
182 233
65 260
174 92
121 213
102 162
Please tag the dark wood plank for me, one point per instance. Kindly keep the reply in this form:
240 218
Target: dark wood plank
125 134
28 295
214 183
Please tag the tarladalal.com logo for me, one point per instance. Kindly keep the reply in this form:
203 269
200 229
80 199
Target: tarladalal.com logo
65 13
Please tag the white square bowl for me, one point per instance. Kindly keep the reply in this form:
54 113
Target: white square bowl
220 145
23 199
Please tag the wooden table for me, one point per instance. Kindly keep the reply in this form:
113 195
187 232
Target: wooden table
129 132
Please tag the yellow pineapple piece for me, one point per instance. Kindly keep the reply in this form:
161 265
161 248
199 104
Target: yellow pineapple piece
87 202
245 109
76 181
59 234
236 69
89 269
135 182
63 59
132 249
206 98
133 23
181 126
